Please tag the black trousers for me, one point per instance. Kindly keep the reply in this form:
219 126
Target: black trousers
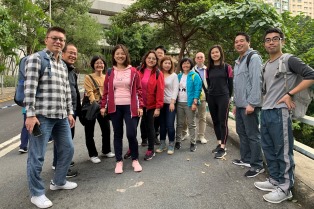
105 133
147 128
219 110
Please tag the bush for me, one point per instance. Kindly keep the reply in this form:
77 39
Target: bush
9 81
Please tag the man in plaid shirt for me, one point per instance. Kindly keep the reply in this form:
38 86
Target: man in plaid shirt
48 108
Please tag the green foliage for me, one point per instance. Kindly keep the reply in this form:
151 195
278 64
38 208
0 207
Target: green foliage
7 42
173 18
81 29
29 24
299 36
253 17
138 39
9 81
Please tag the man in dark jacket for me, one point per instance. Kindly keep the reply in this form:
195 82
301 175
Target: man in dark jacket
69 56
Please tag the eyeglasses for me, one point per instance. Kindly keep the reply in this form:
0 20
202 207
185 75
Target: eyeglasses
56 39
274 39
151 58
99 63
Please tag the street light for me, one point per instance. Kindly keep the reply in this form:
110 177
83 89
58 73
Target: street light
50 13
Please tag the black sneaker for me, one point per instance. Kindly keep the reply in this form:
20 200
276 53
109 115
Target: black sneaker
177 145
149 155
220 153
72 163
23 150
216 149
127 154
193 147
71 173
252 173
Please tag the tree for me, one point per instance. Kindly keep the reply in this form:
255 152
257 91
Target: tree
81 29
299 35
29 24
7 43
138 38
222 21
173 18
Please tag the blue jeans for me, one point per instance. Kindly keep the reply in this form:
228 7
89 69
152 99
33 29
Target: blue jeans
24 134
59 129
123 113
277 143
55 156
250 138
166 121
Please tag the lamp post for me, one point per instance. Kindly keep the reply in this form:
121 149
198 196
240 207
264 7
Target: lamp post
50 13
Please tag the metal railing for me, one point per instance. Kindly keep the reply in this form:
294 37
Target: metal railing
298 146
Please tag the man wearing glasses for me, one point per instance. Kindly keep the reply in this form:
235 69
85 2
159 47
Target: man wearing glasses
247 104
276 125
49 112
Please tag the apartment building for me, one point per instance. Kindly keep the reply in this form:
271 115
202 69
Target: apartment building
294 6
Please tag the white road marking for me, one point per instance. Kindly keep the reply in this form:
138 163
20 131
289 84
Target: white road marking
9 149
10 141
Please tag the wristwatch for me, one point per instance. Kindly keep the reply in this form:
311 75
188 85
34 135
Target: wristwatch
291 95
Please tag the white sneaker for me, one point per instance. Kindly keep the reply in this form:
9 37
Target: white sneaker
41 201
277 196
95 160
185 137
53 167
265 186
67 185
202 140
109 155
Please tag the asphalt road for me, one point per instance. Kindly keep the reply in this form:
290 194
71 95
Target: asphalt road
11 121
183 180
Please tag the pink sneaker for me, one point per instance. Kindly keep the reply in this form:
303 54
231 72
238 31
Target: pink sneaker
136 165
119 167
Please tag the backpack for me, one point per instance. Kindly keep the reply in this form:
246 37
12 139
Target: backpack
19 91
301 99
248 59
157 72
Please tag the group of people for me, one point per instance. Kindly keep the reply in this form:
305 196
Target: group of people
157 95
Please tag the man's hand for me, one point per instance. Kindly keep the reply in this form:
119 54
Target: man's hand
249 110
30 123
234 110
156 113
71 121
288 101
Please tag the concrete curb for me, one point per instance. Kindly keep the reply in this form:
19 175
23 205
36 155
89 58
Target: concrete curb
303 189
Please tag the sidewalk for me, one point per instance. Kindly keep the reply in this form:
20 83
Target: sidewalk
304 169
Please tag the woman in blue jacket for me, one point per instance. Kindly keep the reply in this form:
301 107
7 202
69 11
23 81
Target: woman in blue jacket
190 88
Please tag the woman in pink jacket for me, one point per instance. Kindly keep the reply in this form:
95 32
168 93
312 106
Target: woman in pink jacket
122 100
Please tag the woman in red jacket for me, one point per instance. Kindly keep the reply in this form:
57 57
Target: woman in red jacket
153 85
122 100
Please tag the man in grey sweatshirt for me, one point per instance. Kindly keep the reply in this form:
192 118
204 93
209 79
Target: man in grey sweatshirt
247 104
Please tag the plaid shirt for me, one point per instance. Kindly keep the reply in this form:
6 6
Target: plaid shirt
46 95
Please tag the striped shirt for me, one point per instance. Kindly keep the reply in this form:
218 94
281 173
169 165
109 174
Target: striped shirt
50 94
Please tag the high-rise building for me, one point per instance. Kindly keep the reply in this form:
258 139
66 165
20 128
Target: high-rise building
305 6
294 6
